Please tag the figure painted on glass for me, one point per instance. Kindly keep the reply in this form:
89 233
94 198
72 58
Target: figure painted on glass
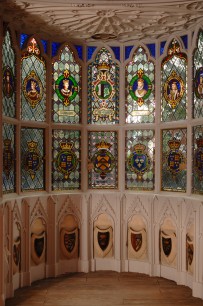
33 89
200 86
174 92
140 90
66 90
8 82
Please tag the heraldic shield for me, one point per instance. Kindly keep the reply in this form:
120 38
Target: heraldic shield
166 244
16 255
137 243
189 251
103 239
69 243
38 247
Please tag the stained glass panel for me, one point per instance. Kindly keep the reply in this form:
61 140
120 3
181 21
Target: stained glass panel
198 159
9 75
66 88
174 84
66 167
8 158
103 90
33 77
174 159
140 104
198 78
140 147
32 159
103 160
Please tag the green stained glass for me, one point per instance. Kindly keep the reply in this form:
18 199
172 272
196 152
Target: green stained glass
174 159
198 159
66 168
198 78
9 75
103 90
103 160
32 159
33 86
9 158
66 88
174 84
140 147
140 89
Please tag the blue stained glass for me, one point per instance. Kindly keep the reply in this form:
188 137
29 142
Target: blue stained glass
162 47
23 38
90 51
55 47
80 51
44 43
127 51
152 49
185 41
116 51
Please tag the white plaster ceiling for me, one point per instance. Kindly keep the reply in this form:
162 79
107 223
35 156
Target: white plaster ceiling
120 21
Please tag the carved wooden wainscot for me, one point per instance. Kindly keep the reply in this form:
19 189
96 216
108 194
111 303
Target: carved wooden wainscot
38 241
168 243
69 237
103 237
137 238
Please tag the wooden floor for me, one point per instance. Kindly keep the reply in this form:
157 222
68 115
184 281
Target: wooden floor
104 289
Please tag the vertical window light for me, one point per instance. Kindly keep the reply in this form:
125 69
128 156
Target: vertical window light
103 90
140 88
33 86
66 88
174 84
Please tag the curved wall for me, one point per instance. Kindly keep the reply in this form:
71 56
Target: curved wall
45 234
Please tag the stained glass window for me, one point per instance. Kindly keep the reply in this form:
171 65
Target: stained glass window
33 78
32 159
198 159
198 78
8 158
66 167
174 159
103 90
174 84
66 88
140 104
140 159
103 160
9 75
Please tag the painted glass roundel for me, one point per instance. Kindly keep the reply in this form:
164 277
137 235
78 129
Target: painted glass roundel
174 89
66 160
139 161
198 83
66 88
103 160
32 89
140 87
8 82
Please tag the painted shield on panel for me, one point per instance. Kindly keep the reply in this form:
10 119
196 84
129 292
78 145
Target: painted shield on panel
166 245
16 252
136 241
190 252
39 246
103 240
69 241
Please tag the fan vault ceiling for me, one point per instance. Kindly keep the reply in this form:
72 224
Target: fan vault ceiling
120 21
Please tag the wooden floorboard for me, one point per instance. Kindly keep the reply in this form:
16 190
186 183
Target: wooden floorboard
104 289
